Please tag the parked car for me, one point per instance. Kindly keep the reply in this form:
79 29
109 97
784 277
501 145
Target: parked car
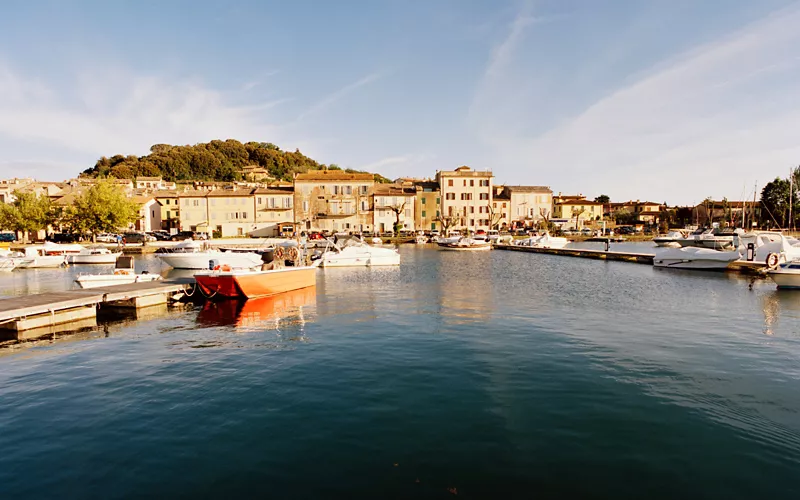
6 237
64 237
315 235
106 238
134 238
184 235
159 235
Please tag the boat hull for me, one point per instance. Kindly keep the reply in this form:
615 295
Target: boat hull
465 248
100 280
201 260
247 284
333 259
45 261
107 258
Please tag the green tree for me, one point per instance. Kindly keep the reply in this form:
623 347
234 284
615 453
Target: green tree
28 212
603 198
102 208
775 203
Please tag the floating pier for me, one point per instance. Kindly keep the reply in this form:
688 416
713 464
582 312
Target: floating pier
32 316
641 258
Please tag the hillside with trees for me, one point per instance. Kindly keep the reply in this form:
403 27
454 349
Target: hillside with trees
212 161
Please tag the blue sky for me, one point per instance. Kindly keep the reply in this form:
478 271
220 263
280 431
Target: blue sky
665 100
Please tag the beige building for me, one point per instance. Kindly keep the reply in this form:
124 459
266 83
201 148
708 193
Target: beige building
427 206
575 212
501 209
390 198
529 204
333 200
466 195
274 208
149 213
170 210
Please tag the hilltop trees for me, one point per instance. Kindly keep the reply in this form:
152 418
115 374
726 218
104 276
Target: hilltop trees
101 208
28 212
212 161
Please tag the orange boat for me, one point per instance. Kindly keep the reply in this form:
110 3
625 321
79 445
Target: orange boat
254 312
249 284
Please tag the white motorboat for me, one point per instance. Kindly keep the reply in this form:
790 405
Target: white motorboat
421 239
769 247
353 251
123 275
543 241
672 239
452 237
786 275
466 244
694 258
190 254
40 256
7 264
94 255
493 235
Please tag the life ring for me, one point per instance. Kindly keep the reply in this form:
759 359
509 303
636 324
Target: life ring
121 272
772 260
292 254
278 255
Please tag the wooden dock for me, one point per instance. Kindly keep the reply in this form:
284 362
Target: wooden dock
740 266
641 258
30 316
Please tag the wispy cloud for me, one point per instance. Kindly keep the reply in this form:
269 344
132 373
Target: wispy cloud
712 119
123 113
336 96
395 166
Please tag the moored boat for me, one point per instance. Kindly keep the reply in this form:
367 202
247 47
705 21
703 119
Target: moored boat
192 254
93 255
352 252
249 283
39 256
465 244
694 258
671 239
123 274
543 241
786 275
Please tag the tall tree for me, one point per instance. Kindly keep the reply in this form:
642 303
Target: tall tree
28 212
102 208
603 198
397 209
775 203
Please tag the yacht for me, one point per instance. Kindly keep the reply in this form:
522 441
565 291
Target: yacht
40 256
352 251
190 254
694 258
543 241
786 275
672 239
466 244
93 255
769 247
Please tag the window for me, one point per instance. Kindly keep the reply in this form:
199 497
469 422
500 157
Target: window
364 206
484 183
438 200
484 196
465 183
472 222
335 189
422 200
152 213
472 210
437 212
466 196
348 190
424 214
449 182
364 189
504 205
450 211
305 206
472 183
186 216
450 196
244 215
259 200
495 205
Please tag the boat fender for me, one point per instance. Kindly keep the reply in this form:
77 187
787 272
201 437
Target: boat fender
772 260
225 268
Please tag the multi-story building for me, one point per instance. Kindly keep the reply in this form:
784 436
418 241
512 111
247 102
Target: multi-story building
393 202
170 210
427 206
193 213
153 184
574 212
466 197
274 209
334 200
501 208
149 213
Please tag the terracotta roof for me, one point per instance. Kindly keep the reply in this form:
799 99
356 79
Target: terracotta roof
165 194
143 199
148 179
192 194
332 175
274 190
579 202
394 190
530 189
229 193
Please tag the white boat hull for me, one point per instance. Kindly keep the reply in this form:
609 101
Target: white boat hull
360 260
7 265
108 258
465 248
42 261
100 280
200 260
694 258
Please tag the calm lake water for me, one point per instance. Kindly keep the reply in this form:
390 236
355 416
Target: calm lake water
485 375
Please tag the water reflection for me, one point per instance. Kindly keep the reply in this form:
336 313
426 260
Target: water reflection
271 312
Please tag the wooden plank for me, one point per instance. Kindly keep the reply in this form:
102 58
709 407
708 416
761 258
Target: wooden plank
27 305
642 258
136 290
